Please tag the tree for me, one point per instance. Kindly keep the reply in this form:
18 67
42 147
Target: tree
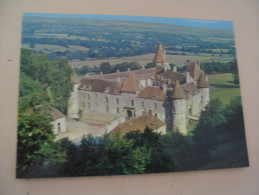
105 67
234 70
34 131
212 120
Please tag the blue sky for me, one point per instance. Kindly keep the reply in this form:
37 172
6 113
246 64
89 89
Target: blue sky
218 24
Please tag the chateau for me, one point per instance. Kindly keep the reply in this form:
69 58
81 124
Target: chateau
172 97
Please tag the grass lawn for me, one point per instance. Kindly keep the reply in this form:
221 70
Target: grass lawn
222 87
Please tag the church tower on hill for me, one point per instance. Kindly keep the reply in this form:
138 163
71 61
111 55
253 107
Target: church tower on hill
160 58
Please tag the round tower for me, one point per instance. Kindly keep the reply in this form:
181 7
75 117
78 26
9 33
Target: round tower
203 85
179 118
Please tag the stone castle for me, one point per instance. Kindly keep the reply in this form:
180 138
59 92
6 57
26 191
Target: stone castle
172 97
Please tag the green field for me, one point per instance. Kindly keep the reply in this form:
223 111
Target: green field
222 87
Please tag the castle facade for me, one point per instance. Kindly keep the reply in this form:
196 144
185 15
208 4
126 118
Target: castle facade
172 97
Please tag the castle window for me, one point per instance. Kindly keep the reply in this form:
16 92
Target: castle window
88 95
132 102
117 100
155 114
84 104
155 105
143 104
118 110
106 99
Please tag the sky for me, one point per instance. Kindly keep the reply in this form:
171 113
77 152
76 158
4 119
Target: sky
216 24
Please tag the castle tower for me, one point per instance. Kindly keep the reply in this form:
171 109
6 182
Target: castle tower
160 58
179 109
203 85
73 101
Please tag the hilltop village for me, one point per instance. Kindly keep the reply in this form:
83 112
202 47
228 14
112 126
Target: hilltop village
160 97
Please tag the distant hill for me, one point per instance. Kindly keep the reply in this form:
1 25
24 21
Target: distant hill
101 39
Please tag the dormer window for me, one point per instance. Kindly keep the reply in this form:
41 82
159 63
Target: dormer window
107 90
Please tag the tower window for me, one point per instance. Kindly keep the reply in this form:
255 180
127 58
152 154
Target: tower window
132 102
118 110
106 99
117 100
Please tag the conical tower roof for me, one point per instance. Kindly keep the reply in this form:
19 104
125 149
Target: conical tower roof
194 70
178 92
202 83
160 56
131 84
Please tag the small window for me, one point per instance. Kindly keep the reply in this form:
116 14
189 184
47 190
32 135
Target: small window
143 104
117 100
132 102
107 109
88 95
106 99
84 104
118 110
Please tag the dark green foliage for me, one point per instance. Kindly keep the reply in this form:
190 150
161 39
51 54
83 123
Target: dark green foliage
44 80
179 149
105 67
234 70
124 66
34 131
150 65
216 67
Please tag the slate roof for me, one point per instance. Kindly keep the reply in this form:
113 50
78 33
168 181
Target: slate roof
139 74
172 76
190 90
99 85
152 92
138 123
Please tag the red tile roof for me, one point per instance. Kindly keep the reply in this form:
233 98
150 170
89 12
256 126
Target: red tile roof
138 123
131 85
194 70
160 56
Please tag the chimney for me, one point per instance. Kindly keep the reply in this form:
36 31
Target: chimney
174 69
